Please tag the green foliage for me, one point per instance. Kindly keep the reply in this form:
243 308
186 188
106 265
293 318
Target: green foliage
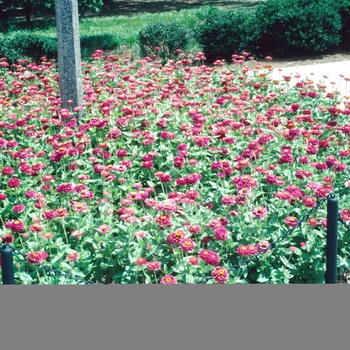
223 33
89 43
37 6
32 46
25 44
165 35
293 27
344 11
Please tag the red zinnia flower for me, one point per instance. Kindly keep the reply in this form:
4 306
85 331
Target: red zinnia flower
36 258
7 238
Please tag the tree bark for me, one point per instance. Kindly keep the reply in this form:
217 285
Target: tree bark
27 12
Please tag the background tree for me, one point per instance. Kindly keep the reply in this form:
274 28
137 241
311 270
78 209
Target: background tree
31 7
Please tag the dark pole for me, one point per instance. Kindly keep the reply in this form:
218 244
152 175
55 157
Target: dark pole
8 274
332 240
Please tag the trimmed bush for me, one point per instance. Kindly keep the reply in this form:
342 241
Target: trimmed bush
24 44
89 43
20 45
294 27
223 33
163 39
344 11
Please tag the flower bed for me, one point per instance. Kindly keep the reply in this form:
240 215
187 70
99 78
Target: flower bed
173 174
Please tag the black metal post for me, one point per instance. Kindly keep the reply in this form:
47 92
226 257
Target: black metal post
332 240
8 274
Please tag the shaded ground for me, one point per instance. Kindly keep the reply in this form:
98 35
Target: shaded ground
133 7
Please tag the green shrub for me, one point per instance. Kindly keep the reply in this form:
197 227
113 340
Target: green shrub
167 36
294 27
344 11
223 33
25 44
89 43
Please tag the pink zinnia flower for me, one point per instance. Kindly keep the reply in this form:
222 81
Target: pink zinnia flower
220 274
168 279
187 244
313 222
242 250
228 200
194 228
221 234
36 227
80 207
140 234
103 229
324 222
308 201
164 220
7 170
153 265
73 256
47 235
77 233
260 212
14 182
193 260
252 249
16 226
291 221
18 208
35 258
141 261
213 258
263 246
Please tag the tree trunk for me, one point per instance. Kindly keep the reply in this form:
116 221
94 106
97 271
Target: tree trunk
27 12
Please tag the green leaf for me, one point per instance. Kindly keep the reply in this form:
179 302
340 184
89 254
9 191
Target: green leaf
286 262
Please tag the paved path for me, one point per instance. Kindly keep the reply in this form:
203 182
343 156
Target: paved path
334 75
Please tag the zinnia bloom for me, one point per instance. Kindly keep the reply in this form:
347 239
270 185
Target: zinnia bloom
168 279
308 201
260 212
80 207
263 246
14 182
35 258
221 234
7 238
291 221
141 261
153 265
17 226
18 208
103 229
73 256
187 244
242 250
220 274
